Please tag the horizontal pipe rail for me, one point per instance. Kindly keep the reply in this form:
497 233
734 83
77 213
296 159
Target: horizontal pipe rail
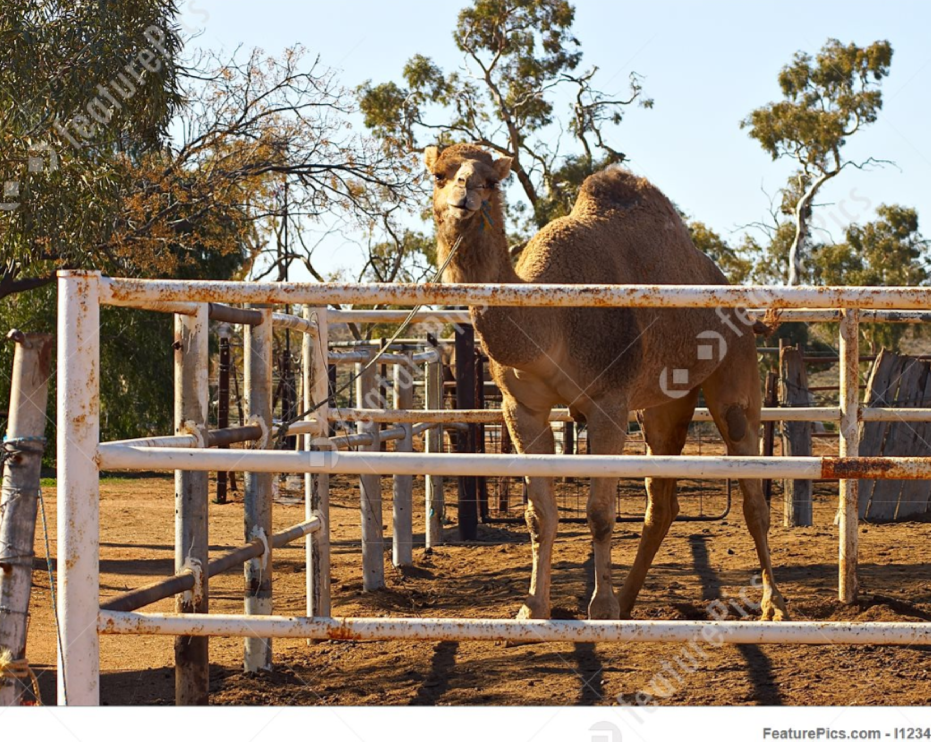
233 315
219 437
362 356
834 315
294 322
480 629
143 596
458 316
783 315
241 434
702 414
509 465
138 291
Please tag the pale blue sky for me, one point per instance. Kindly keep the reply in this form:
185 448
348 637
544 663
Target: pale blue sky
707 65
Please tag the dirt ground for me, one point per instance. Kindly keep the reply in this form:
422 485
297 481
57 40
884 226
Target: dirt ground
698 563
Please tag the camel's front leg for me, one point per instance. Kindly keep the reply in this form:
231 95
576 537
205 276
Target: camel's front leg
531 432
606 434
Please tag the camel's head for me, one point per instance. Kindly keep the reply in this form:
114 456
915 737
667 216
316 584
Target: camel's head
465 178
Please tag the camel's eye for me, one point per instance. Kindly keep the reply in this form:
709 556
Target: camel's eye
491 185
440 179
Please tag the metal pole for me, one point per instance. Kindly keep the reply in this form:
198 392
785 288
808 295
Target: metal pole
317 486
433 485
19 497
402 552
465 400
373 562
78 487
223 402
257 506
484 629
478 430
849 446
192 669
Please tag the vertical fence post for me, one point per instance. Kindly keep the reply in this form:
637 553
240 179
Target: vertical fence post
465 400
368 395
257 506
191 347
797 506
19 498
223 401
478 431
849 446
402 551
770 399
433 442
78 487
317 486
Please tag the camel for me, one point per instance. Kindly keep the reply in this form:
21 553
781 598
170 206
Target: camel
601 363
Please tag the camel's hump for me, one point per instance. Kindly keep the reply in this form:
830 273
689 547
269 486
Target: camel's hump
611 189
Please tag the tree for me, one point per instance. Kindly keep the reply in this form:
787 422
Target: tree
83 86
518 55
889 251
826 100
736 264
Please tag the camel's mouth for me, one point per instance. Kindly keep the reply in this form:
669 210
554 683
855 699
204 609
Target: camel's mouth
460 212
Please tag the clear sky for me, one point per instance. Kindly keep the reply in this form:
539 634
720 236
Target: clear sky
707 65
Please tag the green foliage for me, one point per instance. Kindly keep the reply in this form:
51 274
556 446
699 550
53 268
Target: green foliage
734 263
58 57
135 351
518 55
826 100
889 251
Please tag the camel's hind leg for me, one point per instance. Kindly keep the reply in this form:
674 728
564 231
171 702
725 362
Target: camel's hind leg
665 429
733 396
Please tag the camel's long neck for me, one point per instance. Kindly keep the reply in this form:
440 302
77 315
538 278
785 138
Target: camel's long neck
481 251
482 257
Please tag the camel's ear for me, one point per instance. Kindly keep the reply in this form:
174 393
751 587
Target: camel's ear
429 157
502 167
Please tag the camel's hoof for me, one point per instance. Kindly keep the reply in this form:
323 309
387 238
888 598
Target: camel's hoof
529 611
604 608
774 609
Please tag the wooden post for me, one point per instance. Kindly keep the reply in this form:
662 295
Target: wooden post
317 486
19 498
797 498
331 381
478 445
368 395
882 390
504 483
223 401
402 552
257 498
770 399
849 446
433 485
465 400
192 668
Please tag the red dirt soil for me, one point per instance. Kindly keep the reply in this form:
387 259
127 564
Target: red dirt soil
698 563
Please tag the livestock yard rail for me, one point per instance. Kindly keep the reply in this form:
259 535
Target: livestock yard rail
81 457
